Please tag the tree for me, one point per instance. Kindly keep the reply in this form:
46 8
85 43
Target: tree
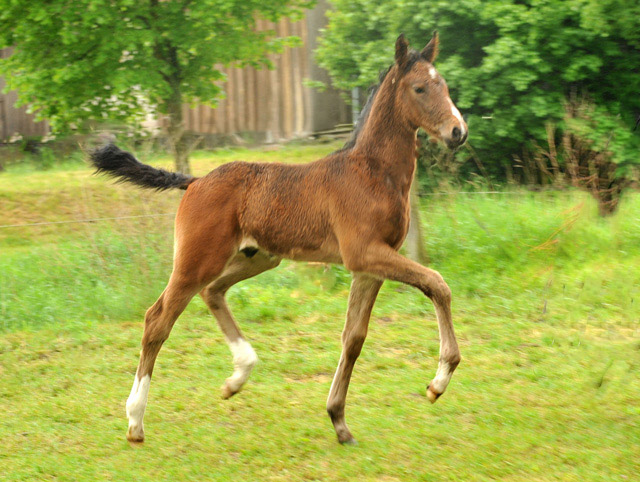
94 59
514 62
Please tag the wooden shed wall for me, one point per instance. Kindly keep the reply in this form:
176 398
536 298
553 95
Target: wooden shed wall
268 104
271 103
16 121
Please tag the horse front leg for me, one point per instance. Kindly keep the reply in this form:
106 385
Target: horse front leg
384 262
364 290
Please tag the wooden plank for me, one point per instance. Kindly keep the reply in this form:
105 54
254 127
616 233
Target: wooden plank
286 86
220 112
305 74
202 125
203 129
263 92
205 115
250 103
298 101
257 80
213 119
230 121
240 103
264 79
274 98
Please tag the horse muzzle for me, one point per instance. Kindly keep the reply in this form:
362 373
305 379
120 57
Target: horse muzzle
457 136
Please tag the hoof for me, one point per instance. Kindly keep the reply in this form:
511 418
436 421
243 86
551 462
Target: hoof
350 441
135 435
345 437
227 392
432 395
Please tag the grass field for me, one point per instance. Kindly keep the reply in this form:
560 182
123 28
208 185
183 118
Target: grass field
545 308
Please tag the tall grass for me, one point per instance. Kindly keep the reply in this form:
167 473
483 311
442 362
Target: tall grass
518 253
545 252
102 275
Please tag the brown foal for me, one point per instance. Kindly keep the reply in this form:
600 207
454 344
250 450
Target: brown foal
351 207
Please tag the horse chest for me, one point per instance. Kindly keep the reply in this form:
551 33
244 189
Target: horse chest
392 218
400 220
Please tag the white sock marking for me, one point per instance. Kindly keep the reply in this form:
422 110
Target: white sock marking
244 359
137 401
442 378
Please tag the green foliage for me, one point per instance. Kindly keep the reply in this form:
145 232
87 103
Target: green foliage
95 59
512 61
606 134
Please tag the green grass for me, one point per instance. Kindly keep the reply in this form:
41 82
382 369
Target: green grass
545 309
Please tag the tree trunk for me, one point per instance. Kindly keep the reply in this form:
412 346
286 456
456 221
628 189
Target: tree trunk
177 136
181 156
415 242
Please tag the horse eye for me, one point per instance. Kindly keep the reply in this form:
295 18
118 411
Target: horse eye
419 90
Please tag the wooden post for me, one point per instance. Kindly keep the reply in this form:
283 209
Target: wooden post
414 243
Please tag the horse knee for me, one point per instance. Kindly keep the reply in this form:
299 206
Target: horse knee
352 344
444 292
438 289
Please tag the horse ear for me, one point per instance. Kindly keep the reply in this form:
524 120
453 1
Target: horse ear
402 49
430 52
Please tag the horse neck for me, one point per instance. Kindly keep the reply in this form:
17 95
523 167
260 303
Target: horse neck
387 140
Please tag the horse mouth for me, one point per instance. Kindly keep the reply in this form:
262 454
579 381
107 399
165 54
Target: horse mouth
453 145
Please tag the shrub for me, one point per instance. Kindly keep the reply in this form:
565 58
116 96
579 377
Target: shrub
594 151
510 61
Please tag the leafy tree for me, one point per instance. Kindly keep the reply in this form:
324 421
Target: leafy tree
513 62
92 59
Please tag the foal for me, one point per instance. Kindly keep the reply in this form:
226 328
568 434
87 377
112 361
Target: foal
351 207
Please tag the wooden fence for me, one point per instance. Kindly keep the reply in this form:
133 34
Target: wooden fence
267 105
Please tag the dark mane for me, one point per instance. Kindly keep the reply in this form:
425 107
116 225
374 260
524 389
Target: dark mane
414 56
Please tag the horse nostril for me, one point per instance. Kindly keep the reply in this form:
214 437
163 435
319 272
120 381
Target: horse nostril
455 134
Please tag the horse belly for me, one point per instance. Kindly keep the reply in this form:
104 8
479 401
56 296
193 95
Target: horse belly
327 253
291 245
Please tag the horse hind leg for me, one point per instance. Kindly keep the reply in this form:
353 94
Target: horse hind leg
191 272
243 266
159 321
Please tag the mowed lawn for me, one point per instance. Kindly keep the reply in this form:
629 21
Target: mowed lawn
545 309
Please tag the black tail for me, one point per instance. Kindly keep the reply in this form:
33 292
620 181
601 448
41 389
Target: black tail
125 167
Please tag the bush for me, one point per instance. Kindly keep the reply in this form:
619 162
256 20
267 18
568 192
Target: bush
508 60
597 153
